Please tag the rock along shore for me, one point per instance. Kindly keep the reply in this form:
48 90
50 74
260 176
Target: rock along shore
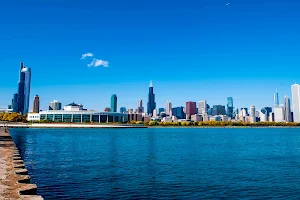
14 179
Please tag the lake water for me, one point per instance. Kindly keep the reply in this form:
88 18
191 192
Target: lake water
163 163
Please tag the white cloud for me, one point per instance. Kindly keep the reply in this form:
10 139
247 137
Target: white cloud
87 55
227 4
97 62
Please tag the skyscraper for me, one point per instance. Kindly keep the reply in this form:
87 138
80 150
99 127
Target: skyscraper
229 106
279 113
55 105
15 103
21 89
113 103
276 99
151 100
168 108
178 112
252 114
21 103
287 109
36 104
296 102
27 72
140 106
218 110
202 107
191 108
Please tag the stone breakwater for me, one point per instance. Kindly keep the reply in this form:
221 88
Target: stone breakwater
14 179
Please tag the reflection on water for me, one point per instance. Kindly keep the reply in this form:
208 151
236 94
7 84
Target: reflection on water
162 163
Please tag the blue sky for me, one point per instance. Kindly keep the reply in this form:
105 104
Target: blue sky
192 50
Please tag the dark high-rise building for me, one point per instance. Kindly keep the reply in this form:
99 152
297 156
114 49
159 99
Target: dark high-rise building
27 72
21 89
160 110
178 112
113 103
36 104
21 104
229 106
218 110
15 105
122 110
191 108
151 100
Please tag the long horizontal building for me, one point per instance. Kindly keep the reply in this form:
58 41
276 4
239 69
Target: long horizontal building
75 113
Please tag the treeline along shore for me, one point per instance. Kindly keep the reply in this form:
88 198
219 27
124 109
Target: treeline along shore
15 118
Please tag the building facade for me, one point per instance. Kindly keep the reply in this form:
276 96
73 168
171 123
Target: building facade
168 108
113 103
278 113
75 113
191 108
55 105
21 98
218 110
36 104
151 100
296 102
276 99
252 114
122 110
27 83
230 107
140 108
202 107
178 112
287 109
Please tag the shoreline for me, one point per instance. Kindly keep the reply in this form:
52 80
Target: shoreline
74 125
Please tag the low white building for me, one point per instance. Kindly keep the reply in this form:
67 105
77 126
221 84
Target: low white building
33 117
167 119
75 113
279 114
196 118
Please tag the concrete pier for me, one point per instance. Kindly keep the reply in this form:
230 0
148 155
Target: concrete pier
14 179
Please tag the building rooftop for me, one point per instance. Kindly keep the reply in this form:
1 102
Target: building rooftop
72 104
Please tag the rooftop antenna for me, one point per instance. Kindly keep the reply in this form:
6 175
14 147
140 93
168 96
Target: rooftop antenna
151 85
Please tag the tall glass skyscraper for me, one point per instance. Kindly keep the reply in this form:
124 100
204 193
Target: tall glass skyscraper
113 103
276 99
229 106
151 100
287 109
21 99
27 72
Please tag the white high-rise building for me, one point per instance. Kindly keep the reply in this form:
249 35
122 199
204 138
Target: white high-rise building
263 115
202 107
278 113
140 108
168 108
155 113
252 114
296 101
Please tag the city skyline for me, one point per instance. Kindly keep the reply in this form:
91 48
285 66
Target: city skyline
23 70
199 50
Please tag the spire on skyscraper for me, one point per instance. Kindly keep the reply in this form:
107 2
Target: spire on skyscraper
151 85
